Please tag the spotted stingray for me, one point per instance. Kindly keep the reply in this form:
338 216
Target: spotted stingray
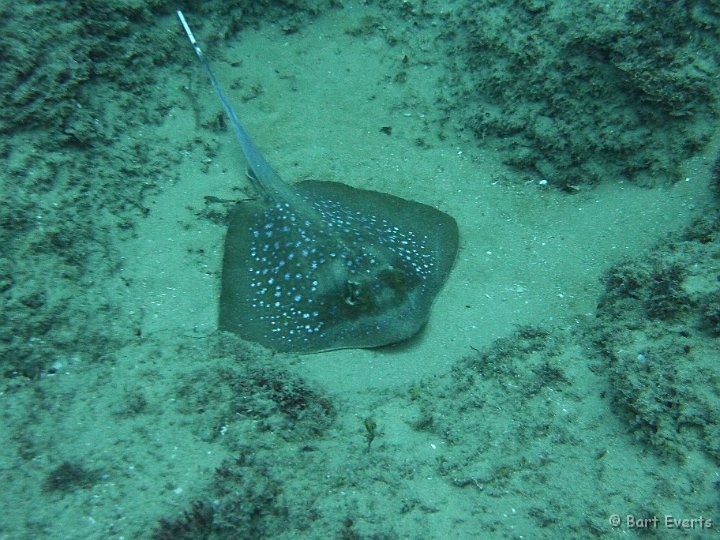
317 266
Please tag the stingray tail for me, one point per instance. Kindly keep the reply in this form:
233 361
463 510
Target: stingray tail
261 172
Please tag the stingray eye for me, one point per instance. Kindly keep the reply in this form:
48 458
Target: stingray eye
393 278
352 293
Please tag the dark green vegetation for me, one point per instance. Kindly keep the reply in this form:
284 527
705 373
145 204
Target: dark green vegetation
370 430
579 93
658 332
512 417
69 476
715 175
249 502
193 524
274 400
70 188
265 417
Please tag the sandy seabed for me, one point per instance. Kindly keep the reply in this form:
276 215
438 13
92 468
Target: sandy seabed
566 384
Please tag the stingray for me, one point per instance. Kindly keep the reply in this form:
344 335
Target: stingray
316 266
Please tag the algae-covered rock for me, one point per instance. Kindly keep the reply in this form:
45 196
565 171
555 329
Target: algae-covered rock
658 317
579 93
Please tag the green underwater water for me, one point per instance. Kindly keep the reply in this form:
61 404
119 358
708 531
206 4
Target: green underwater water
568 372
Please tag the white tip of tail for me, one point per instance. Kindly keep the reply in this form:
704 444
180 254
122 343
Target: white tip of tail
186 27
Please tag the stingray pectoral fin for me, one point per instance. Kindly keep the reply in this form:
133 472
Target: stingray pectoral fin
237 302
440 230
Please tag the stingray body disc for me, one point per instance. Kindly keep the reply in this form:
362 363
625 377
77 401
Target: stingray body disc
364 275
